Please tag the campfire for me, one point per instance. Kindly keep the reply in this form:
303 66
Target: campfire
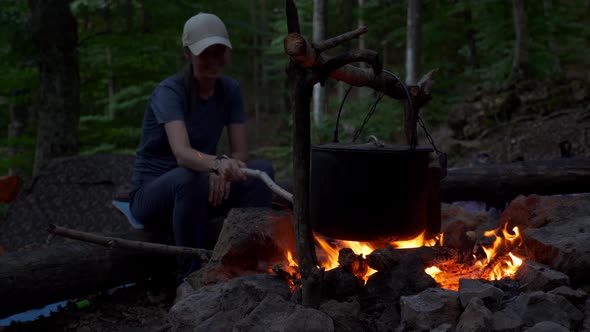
493 258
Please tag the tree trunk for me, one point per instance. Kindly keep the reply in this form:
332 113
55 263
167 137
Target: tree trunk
110 81
520 61
319 33
499 184
548 10
255 56
129 9
264 79
19 119
413 40
470 34
34 278
146 22
361 23
55 35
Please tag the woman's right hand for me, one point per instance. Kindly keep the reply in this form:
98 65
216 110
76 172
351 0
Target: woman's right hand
231 169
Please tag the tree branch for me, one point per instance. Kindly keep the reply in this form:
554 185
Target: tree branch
335 41
292 17
367 56
300 51
113 242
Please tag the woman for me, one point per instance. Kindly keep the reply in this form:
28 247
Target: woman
178 175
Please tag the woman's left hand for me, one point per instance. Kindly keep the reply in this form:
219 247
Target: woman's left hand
218 189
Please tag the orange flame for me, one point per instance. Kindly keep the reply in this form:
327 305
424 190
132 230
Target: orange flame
499 262
416 242
292 262
503 240
328 253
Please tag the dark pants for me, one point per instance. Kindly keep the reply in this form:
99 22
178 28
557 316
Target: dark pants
181 196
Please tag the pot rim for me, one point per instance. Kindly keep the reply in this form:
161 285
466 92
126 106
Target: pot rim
369 148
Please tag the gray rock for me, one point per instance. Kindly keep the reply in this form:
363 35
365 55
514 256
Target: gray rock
534 276
470 288
576 297
538 307
220 306
388 320
345 315
276 314
563 247
547 327
429 309
254 239
405 279
251 241
459 221
555 231
506 320
446 327
182 291
476 317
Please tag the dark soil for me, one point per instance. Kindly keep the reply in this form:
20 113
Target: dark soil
138 308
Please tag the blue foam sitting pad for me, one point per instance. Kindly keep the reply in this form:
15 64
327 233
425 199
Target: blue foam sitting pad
124 208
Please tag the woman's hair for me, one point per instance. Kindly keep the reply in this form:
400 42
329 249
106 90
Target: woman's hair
188 79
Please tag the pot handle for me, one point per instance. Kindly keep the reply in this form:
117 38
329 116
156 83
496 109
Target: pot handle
376 140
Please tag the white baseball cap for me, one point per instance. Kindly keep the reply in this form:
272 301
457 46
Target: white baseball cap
202 31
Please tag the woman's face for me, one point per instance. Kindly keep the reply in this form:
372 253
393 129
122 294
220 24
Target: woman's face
211 62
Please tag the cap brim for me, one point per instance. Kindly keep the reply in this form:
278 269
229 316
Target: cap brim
201 45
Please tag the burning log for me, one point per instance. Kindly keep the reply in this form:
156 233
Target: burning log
387 258
353 263
340 284
289 274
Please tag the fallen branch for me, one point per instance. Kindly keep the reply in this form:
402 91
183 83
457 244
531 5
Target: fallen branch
269 182
35 277
113 242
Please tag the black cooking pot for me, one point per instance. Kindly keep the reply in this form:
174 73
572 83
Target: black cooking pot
374 192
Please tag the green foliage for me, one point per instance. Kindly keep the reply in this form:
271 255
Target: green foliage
99 133
127 47
385 122
280 157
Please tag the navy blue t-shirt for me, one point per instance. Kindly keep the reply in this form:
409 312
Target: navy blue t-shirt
204 123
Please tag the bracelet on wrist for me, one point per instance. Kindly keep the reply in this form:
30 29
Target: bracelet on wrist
217 163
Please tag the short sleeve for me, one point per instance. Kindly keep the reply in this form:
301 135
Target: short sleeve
235 106
167 104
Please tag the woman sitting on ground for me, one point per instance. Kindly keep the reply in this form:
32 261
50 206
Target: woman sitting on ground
179 177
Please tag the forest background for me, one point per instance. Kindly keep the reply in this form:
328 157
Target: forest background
124 48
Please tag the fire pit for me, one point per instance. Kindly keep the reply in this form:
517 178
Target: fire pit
466 279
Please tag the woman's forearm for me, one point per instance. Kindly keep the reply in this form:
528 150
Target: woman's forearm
195 160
